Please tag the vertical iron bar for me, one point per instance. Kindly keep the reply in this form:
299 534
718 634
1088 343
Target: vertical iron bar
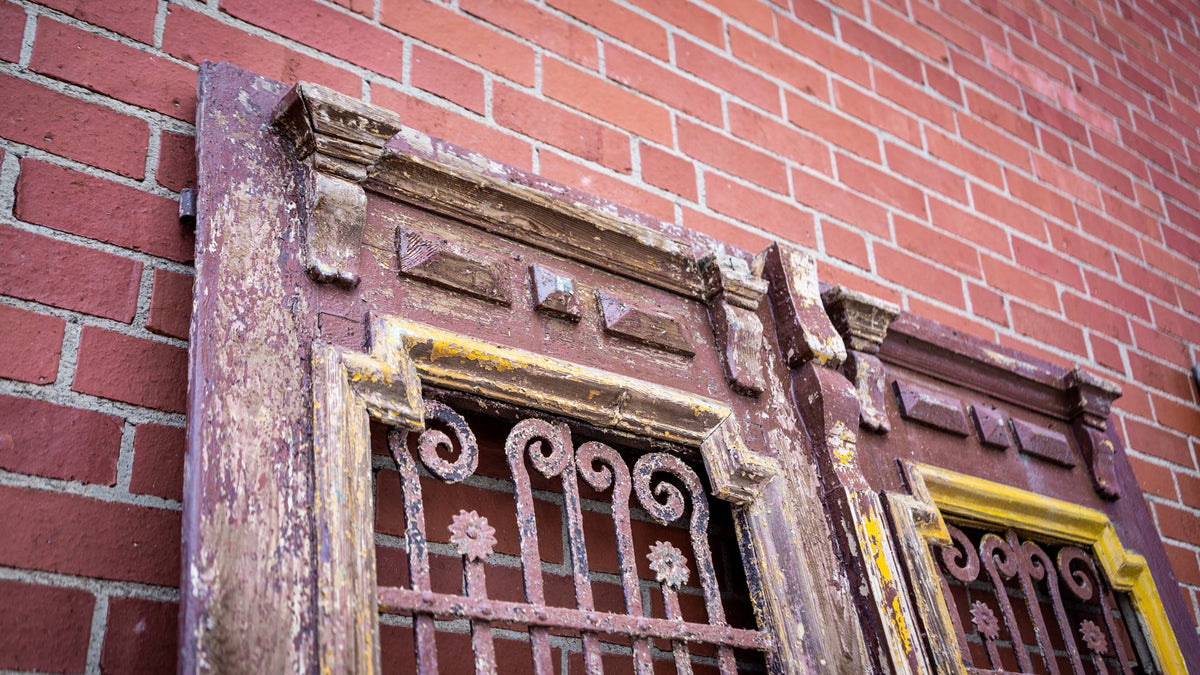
1083 586
989 546
1040 633
1040 564
579 562
481 631
530 435
614 473
418 552
683 659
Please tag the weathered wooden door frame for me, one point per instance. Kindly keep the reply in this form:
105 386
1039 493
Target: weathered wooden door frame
278 548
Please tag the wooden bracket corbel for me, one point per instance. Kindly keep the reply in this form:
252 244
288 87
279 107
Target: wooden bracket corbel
733 295
804 330
338 139
863 320
1090 400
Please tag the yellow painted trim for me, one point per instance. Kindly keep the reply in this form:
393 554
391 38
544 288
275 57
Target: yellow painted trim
989 503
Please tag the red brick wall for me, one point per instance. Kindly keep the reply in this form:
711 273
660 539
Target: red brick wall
1024 171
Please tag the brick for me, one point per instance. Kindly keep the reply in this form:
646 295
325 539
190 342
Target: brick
142 636
1178 524
92 207
1055 145
108 67
1140 144
828 53
593 95
835 200
1066 179
993 141
760 210
1001 92
170 304
1174 188
953 151
131 369
1069 241
881 185
737 158
905 162
1156 376
72 534
41 269
964 223
901 268
1166 347
1032 193
176 161
953 319
1014 214
623 24
932 244
1189 489
561 128
67 126
1166 260
877 113
1047 329
1184 560
1018 283
338 33
445 77
1107 353
1117 295
364 7
691 18
1047 263
1083 310
459 129
195 37
158 461
668 171
881 49
779 64
662 84
1007 117
1137 274
44 628
833 127
845 244
907 32
1115 235
1174 323
12 31
539 26
30 344
864 282
757 15
727 74
60 442
987 303
721 230
946 84
1103 172
132 18
558 168
932 18
1101 98
1154 479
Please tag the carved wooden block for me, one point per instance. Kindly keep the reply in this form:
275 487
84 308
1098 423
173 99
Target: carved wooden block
1042 443
862 321
438 262
734 296
936 410
989 426
1090 399
554 294
866 372
620 317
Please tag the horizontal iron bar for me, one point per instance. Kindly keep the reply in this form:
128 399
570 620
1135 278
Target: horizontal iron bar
394 600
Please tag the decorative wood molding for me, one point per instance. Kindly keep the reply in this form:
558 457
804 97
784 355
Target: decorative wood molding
556 222
733 298
621 317
935 492
338 139
862 321
437 261
989 426
804 330
1042 443
1090 400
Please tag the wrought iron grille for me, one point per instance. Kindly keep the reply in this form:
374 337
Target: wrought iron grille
1022 606
669 605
